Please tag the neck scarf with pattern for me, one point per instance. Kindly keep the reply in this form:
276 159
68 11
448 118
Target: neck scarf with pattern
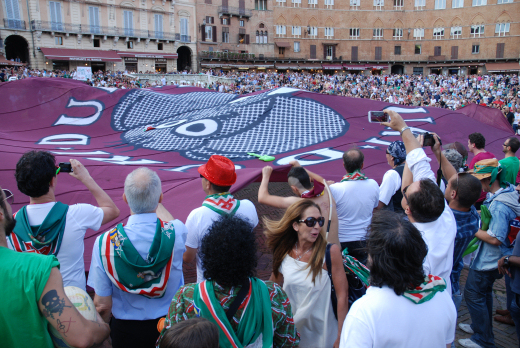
356 175
222 203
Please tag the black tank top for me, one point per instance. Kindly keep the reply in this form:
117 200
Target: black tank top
395 201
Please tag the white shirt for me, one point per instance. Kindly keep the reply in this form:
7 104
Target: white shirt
140 230
79 218
438 235
355 201
381 319
201 219
389 186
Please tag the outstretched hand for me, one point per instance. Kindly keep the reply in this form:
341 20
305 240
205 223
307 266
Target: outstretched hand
396 121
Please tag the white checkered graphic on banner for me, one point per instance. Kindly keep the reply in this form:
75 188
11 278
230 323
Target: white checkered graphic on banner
263 123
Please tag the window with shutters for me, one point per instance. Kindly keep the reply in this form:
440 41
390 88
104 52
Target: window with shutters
55 15
93 17
208 33
184 30
500 50
418 33
379 4
477 30
296 46
479 2
354 33
475 49
398 33
280 31
297 3
398 4
454 52
378 33
225 34
329 52
261 5
281 51
13 15
329 32
241 23
438 33
417 49
312 3
313 51
457 3
456 32
128 23
397 50
130 44
354 53
501 29
354 4
378 53
296 31
418 71
158 22
437 51
329 4
420 4
440 4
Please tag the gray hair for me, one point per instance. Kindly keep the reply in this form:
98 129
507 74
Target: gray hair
143 190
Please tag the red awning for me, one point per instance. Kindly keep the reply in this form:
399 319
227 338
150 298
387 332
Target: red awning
148 55
84 55
355 66
332 66
498 67
6 62
377 67
283 44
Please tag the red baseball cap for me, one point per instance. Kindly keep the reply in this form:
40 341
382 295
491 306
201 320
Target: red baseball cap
219 170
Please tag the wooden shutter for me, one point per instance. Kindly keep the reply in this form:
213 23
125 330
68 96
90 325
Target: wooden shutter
354 54
247 39
437 51
225 4
324 52
214 33
379 53
500 50
13 9
333 52
454 52
203 33
313 51
241 4
208 1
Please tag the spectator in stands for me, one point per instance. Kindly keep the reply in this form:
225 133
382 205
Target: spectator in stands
137 268
356 197
299 247
403 307
217 176
48 227
497 211
195 332
34 297
476 145
510 162
247 310
390 194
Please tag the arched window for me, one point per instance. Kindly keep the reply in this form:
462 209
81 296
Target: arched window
257 37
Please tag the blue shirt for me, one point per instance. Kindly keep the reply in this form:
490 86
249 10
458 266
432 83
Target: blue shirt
467 226
140 230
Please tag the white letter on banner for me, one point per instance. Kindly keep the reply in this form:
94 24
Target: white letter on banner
125 160
328 155
185 169
67 139
80 121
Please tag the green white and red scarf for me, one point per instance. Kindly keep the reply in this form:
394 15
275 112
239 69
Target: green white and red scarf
128 271
356 175
427 290
222 203
43 239
256 323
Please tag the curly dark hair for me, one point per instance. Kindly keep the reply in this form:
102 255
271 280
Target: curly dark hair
228 251
34 172
427 203
477 139
396 252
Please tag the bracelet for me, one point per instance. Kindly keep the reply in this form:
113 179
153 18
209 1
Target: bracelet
402 130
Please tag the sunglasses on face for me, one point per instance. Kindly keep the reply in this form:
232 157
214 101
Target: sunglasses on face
9 197
311 221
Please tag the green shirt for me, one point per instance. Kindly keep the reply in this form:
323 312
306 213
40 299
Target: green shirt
511 164
23 277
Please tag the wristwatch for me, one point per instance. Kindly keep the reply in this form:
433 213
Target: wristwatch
506 261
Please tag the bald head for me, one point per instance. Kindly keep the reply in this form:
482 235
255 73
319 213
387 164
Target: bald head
353 160
143 190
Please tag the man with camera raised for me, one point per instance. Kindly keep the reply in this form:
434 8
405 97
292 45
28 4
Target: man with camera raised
48 227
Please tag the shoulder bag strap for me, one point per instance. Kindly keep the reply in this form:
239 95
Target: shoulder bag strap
238 301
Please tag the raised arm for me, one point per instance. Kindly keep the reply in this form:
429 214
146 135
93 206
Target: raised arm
64 317
274 201
447 168
312 175
110 210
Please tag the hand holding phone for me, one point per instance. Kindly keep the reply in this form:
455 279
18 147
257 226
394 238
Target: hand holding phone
65 167
378 117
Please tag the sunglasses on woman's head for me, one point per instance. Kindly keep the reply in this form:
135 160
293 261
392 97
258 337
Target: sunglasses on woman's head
311 221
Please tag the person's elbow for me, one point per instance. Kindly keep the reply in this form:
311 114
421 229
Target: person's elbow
110 214
496 242
189 255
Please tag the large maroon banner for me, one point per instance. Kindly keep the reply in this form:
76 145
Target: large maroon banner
174 130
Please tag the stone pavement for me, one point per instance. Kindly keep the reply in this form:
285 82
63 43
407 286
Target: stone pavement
505 335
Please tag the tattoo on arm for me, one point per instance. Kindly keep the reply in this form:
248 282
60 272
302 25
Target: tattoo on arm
64 326
53 304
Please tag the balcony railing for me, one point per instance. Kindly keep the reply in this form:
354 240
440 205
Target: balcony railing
182 38
14 23
235 11
99 30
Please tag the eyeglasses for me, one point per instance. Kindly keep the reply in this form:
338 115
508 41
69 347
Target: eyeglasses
9 197
506 145
311 221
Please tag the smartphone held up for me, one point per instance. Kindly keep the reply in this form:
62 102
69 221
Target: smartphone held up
65 167
378 117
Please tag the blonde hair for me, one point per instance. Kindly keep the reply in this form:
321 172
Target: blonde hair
281 238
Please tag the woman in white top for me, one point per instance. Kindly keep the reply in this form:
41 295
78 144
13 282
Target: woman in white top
298 244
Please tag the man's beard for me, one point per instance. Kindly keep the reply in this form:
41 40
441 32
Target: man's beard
9 227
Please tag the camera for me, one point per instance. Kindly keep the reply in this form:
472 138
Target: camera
65 167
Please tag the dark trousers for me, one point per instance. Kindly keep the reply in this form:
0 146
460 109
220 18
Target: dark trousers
356 249
133 333
515 313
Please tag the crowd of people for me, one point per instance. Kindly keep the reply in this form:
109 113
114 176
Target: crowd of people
408 235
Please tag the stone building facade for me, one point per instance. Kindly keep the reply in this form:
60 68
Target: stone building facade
133 35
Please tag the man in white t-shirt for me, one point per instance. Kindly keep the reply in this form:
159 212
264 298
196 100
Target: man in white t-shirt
356 197
48 227
217 175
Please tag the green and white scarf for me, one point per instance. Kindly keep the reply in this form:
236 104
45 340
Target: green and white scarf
128 271
256 319
356 175
222 203
43 239
427 290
